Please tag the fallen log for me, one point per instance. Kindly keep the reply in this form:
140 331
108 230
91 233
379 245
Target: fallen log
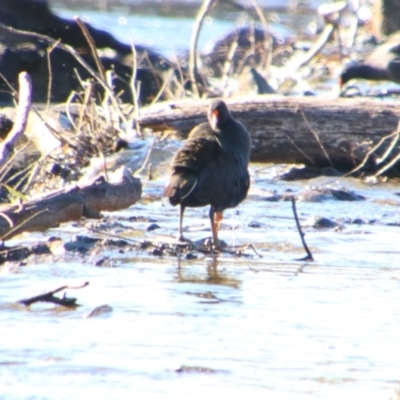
319 132
70 205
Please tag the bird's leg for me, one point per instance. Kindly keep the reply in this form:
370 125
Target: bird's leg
218 217
214 228
181 212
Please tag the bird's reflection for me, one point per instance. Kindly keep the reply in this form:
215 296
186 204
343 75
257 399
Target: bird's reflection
208 271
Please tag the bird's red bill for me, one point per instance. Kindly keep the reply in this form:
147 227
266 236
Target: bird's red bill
214 118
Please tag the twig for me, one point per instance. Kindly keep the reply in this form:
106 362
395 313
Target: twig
92 46
317 138
309 256
135 89
50 81
373 149
107 234
146 159
16 227
388 165
67 109
390 148
204 9
264 23
163 87
354 26
180 83
77 57
300 150
8 84
5 169
317 46
50 298
250 246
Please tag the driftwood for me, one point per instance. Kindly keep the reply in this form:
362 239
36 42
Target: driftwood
69 205
24 103
49 297
318 132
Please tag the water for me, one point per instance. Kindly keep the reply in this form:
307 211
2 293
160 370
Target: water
269 327
260 327
168 29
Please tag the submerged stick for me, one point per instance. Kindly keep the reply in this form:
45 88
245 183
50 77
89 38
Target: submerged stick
50 298
309 256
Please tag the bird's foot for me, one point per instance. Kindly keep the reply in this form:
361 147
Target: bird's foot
217 245
182 239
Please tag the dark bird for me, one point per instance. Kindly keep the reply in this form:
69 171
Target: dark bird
211 168
382 64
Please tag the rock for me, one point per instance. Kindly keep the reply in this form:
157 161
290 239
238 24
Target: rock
26 53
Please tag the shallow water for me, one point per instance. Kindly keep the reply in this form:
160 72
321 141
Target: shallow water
233 327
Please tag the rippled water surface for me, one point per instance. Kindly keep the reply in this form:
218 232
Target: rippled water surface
218 327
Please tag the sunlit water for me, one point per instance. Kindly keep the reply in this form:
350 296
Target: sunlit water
170 34
237 328
268 327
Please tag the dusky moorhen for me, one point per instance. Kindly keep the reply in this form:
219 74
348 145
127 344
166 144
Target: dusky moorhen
382 64
211 168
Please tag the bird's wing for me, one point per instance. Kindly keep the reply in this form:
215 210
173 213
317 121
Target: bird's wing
196 155
181 183
396 50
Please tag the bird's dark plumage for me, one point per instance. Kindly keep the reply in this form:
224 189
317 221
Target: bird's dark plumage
382 64
212 166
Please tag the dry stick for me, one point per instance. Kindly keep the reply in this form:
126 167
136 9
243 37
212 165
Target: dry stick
140 169
388 165
178 65
35 110
50 81
309 256
317 138
354 27
92 46
32 176
372 150
134 88
107 234
5 169
300 150
7 218
49 297
163 87
85 103
105 102
97 143
14 228
21 174
228 63
204 9
77 57
24 103
393 143
317 46
250 246
264 23
67 109
5 80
